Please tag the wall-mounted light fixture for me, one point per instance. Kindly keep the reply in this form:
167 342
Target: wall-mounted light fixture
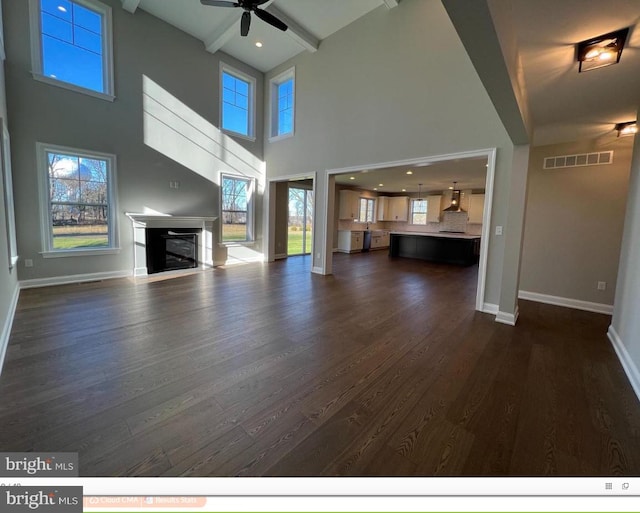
628 128
601 51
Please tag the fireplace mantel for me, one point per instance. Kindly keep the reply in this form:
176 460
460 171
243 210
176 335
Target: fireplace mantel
142 221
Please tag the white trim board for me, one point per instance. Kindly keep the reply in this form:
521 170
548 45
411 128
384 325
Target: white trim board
566 302
630 368
8 323
490 308
508 318
73 278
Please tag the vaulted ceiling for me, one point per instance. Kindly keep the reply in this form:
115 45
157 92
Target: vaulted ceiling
564 105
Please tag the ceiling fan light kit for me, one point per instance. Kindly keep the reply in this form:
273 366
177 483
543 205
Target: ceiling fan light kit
249 6
601 51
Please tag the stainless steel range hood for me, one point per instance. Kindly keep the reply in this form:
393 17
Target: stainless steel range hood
455 201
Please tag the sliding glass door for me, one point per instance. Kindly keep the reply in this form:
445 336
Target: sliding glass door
300 221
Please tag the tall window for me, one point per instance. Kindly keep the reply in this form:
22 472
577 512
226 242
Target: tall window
237 211
237 102
78 201
282 104
366 209
7 186
419 211
71 44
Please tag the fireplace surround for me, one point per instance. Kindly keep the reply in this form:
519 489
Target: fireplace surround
202 227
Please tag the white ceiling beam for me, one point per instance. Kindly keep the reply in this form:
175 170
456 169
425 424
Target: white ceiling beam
391 3
223 34
296 32
130 5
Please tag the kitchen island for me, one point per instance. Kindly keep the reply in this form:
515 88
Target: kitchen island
449 248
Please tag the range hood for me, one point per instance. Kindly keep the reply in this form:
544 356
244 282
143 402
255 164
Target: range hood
455 200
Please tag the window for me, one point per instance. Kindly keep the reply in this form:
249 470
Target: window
418 211
237 102
77 192
282 104
7 186
237 209
71 45
366 209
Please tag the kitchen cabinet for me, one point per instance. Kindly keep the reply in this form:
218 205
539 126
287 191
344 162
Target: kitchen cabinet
350 241
433 208
398 208
383 209
379 239
349 203
476 208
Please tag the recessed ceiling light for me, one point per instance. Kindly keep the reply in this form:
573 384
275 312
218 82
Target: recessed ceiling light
375 188
409 172
380 184
62 8
352 178
258 44
450 188
404 190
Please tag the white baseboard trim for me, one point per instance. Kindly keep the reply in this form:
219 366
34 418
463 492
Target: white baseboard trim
566 302
630 368
316 270
280 256
73 278
489 308
8 323
508 318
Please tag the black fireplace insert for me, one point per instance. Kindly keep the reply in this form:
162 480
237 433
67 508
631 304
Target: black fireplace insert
171 249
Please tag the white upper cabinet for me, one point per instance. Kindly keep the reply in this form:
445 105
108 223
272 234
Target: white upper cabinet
433 208
476 208
349 204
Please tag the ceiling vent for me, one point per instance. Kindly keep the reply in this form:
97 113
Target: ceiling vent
583 159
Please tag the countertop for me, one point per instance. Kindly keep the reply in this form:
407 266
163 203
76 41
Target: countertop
444 235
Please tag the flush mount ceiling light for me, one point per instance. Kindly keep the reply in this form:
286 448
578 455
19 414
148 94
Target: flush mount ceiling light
628 128
601 51
409 172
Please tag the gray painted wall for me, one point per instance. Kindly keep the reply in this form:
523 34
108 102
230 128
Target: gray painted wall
626 321
8 278
395 84
574 222
162 127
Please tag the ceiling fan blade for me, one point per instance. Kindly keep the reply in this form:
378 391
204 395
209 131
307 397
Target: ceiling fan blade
245 23
270 19
219 3
260 2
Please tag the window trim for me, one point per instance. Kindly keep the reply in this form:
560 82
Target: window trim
373 200
46 223
251 210
273 104
426 213
35 30
225 68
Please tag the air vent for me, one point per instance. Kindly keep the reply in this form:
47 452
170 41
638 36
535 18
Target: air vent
583 159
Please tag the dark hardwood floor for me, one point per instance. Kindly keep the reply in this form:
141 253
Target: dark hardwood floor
383 368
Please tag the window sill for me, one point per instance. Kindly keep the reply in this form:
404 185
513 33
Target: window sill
281 137
239 135
71 87
79 252
247 243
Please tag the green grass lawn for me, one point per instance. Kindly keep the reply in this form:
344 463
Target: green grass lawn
294 245
80 241
234 232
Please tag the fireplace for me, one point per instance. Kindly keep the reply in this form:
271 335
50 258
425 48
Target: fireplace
165 242
171 249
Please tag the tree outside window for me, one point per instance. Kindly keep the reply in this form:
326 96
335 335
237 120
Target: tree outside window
236 197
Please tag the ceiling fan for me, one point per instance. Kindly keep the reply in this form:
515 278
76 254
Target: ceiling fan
248 6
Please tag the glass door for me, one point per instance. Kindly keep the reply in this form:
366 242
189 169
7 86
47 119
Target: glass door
299 234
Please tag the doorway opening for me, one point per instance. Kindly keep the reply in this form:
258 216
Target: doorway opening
300 219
